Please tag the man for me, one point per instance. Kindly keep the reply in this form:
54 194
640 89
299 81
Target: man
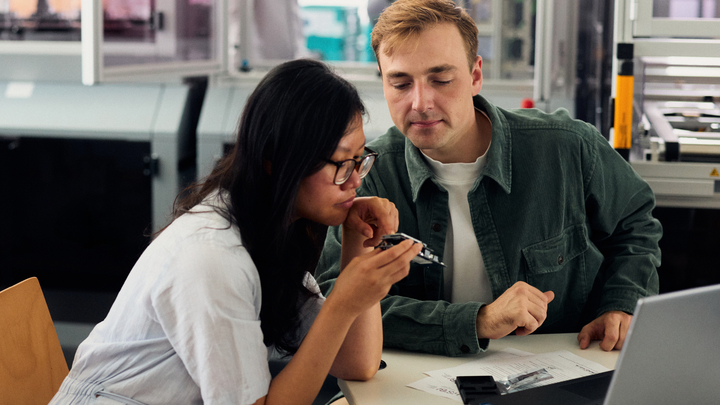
542 225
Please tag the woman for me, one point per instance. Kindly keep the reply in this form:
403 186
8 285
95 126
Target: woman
228 281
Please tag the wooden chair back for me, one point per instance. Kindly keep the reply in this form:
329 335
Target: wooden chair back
32 365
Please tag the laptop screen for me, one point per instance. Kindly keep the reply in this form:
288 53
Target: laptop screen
671 354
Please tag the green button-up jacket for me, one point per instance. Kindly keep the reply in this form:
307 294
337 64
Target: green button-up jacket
555 207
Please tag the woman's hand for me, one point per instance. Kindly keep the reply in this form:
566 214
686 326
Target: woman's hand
371 217
346 337
367 221
367 278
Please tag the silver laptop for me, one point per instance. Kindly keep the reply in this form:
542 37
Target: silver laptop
672 351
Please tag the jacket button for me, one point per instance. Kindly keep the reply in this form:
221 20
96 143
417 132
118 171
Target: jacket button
560 260
464 349
437 227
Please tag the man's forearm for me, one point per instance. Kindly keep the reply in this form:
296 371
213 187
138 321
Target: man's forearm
436 327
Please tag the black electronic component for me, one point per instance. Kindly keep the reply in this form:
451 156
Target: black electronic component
472 388
426 255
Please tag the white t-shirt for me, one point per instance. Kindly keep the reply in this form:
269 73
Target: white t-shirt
465 276
185 327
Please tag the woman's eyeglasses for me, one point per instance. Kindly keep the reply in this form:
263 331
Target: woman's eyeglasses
345 168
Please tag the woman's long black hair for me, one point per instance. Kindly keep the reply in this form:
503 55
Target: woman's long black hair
293 120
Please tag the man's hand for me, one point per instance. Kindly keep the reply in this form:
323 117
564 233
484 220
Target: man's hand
521 308
610 327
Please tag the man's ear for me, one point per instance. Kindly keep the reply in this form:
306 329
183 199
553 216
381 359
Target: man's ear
477 76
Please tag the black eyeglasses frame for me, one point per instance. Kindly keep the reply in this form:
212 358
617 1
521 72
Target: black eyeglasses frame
371 154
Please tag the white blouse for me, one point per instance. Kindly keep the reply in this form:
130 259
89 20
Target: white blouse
185 327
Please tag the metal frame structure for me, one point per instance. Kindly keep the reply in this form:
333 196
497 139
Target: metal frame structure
665 49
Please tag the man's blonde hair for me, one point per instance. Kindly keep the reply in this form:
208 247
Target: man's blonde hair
406 18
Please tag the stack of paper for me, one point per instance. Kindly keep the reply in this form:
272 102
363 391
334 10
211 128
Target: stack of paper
562 365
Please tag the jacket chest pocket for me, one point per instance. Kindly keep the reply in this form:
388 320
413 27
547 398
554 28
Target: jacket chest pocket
558 264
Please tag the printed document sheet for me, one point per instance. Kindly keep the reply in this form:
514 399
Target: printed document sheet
562 365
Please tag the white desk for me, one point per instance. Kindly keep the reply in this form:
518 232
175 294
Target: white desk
389 385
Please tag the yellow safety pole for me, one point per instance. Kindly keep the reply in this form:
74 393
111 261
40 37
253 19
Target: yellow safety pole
624 86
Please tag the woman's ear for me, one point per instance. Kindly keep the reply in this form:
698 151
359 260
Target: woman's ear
267 166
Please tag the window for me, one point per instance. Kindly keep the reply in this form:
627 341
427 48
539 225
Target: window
678 19
41 20
339 31
134 31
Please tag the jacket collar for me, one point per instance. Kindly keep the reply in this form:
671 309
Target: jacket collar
499 162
